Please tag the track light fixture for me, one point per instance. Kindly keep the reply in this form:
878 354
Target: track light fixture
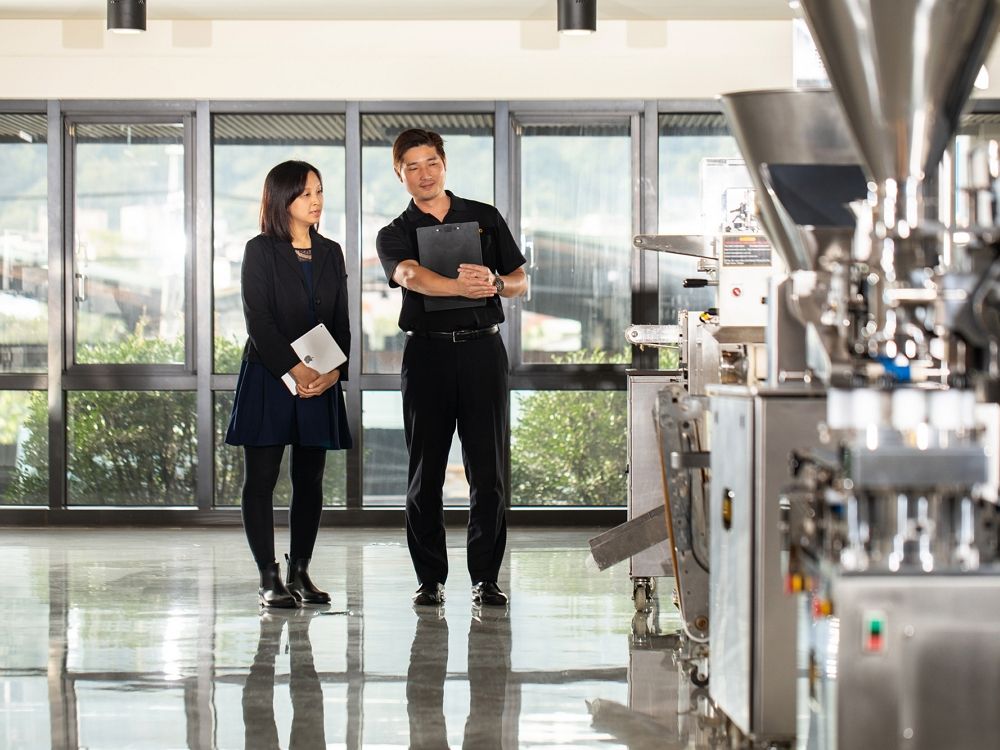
577 16
126 16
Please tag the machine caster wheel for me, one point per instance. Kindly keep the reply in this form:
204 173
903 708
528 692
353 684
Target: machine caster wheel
699 679
642 593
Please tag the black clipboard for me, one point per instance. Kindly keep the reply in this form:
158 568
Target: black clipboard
441 248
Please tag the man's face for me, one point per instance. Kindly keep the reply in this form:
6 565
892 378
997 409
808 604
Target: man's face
423 172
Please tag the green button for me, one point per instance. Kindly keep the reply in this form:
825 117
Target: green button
875 627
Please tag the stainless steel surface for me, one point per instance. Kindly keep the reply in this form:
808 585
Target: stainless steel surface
902 70
682 244
731 604
787 127
934 683
654 335
645 474
630 539
681 428
702 356
752 642
901 466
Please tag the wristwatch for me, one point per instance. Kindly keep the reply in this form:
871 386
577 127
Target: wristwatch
498 283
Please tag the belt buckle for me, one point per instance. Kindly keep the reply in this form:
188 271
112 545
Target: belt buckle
454 337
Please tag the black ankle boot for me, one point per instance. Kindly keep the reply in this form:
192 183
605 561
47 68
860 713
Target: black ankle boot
272 591
301 586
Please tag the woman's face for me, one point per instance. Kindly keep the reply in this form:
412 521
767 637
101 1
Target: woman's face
305 210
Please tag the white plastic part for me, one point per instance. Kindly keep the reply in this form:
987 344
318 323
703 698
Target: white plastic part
838 409
909 408
946 409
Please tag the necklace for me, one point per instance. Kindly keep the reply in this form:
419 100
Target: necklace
303 253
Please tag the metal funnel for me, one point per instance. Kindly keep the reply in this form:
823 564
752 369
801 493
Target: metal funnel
788 127
903 70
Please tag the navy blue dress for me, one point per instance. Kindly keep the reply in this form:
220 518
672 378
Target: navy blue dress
265 413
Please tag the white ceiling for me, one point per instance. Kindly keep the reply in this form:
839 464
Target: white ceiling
516 10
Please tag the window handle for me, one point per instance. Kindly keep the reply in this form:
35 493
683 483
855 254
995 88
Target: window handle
81 287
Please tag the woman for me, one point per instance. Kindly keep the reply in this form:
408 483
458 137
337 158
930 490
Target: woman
292 279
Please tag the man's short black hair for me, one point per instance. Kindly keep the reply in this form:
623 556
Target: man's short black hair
415 137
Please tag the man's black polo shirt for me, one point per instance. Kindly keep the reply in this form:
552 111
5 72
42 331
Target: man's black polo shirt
398 242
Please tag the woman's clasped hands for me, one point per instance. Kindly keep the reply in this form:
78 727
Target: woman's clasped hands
309 383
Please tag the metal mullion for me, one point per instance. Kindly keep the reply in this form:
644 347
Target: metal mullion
645 296
23 381
128 381
511 329
425 107
56 188
512 133
23 107
577 107
550 378
230 516
352 246
291 107
122 108
669 106
203 336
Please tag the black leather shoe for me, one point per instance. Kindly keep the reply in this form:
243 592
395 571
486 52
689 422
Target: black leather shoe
429 595
489 594
272 591
301 586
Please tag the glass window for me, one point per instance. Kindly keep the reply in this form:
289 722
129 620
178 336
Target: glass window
386 461
229 467
24 448
686 142
576 226
568 447
245 148
23 244
26 698
131 448
468 145
130 243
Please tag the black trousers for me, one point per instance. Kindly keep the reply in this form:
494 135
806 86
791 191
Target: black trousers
445 384
262 465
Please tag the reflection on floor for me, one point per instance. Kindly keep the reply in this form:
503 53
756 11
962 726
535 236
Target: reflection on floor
152 639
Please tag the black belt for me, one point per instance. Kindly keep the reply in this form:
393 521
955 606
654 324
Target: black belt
457 336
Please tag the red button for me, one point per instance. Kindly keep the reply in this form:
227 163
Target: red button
737 291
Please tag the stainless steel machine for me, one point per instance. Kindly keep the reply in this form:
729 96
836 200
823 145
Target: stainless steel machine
795 139
863 478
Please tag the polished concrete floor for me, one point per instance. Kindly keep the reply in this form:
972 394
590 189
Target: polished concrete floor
133 638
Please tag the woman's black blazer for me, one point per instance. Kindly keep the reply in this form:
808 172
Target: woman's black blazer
276 300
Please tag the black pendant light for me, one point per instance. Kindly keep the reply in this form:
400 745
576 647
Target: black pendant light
577 16
127 16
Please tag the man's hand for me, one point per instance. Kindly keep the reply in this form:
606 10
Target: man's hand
475 282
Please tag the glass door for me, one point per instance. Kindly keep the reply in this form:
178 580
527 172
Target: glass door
130 242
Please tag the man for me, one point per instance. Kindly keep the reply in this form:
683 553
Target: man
454 370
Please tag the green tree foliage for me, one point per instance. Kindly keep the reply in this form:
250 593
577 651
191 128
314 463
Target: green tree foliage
569 447
28 481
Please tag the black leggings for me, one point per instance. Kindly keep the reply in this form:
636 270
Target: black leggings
306 507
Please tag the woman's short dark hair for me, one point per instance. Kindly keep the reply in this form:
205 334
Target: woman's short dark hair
415 137
283 184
